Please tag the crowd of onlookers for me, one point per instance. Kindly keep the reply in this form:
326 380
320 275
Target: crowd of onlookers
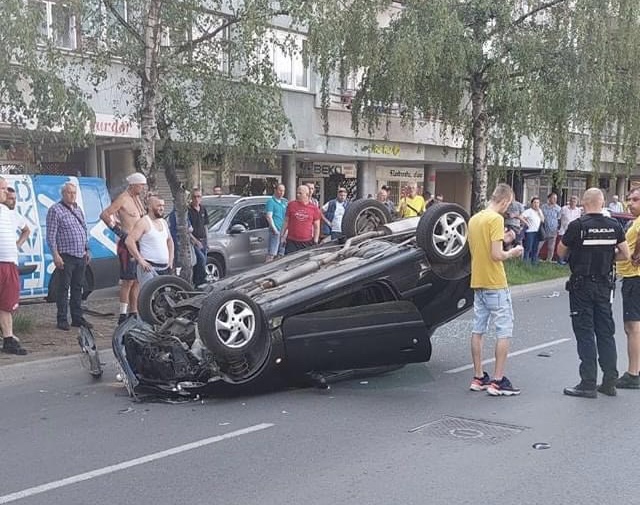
540 227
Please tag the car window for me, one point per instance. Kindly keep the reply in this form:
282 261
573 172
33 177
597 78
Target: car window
251 216
216 214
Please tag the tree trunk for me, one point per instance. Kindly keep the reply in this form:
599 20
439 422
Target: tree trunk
479 143
183 247
149 85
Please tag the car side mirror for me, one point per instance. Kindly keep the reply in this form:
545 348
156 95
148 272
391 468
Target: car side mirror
236 229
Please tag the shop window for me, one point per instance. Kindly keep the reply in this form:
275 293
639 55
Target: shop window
394 189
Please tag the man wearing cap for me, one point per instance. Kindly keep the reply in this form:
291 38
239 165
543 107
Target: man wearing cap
121 216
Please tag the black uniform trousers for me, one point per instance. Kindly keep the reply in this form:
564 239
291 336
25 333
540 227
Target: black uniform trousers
590 303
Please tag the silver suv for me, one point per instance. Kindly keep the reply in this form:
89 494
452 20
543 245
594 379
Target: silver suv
238 236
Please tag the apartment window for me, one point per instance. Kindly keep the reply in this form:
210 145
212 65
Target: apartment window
99 24
215 50
58 24
285 51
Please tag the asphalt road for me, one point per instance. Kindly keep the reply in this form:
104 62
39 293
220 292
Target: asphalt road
414 436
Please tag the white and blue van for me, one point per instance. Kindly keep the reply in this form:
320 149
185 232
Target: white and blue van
34 195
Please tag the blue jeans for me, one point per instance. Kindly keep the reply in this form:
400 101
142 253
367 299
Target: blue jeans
496 303
531 246
199 270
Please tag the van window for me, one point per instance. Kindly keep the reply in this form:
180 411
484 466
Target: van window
91 201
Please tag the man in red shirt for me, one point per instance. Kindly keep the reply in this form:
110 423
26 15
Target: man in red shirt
301 228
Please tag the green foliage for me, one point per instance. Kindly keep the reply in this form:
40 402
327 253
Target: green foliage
22 324
37 92
563 73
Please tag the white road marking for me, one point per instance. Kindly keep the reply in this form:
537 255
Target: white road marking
517 353
128 464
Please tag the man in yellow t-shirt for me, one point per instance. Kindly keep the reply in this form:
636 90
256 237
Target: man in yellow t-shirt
492 299
412 204
630 272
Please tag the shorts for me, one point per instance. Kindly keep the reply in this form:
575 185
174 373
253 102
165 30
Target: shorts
10 292
127 263
496 304
630 299
143 276
276 247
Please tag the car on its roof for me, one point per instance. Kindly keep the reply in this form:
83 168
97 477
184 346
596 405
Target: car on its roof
238 233
371 300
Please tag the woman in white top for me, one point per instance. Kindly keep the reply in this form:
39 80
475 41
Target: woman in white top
534 218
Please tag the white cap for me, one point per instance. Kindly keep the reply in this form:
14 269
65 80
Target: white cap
136 178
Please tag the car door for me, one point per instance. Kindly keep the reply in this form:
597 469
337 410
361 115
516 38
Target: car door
248 247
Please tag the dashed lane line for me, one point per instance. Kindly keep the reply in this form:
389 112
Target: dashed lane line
516 353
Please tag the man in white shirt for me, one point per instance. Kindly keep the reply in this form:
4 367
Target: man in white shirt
332 213
21 222
568 213
150 243
10 292
616 204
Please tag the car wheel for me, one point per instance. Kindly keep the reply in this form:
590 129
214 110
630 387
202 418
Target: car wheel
157 295
214 269
230 323
443 232
364 215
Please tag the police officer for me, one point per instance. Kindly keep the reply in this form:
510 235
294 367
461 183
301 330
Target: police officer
594 241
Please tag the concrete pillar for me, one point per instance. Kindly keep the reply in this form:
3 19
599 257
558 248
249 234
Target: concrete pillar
102 164
429 182
621 187
289 175
121 163
366 173
91 161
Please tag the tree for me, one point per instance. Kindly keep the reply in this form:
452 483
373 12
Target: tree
560 72
37 92
198 77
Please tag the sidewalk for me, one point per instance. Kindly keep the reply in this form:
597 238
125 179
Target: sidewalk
46 341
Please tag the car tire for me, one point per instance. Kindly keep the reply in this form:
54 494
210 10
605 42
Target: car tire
152 306
214 269
443 232
230 324
364 215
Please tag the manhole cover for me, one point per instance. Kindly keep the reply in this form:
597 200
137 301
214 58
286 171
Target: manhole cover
472 430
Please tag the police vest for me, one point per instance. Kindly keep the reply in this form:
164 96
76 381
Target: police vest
594 252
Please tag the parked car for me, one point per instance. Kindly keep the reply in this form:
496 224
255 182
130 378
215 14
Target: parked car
34 195
373 300
238 236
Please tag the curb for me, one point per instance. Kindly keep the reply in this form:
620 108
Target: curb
38 367
556 284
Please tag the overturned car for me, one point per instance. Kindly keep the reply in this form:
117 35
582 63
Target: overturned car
367 302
